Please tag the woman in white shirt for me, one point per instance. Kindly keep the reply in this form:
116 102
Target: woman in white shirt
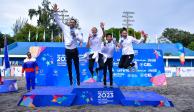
94 44
125 43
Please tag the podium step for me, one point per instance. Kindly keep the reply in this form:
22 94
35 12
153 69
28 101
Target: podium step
145 98
47 96
9 85
91 93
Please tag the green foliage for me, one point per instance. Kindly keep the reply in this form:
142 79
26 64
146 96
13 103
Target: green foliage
18 25
22 35
10 39
191 45
57 39
116 33
179 36
44 14
176 35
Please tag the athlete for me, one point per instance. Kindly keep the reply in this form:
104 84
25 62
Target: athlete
126 43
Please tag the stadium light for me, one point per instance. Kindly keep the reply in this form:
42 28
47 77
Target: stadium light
128 19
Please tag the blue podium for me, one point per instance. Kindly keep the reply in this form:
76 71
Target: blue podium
91 93
9 85
55 90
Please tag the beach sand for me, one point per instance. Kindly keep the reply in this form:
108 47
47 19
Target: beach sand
180 90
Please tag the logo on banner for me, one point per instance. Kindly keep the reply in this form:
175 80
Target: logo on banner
61 60
105 97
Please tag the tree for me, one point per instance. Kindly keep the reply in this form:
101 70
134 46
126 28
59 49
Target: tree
191 45
176 35
43 13
18 25
116 33
10 39
22 35
1 40
45 20
179 36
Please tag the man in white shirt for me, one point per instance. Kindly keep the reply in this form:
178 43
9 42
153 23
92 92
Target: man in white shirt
125 43
71 37
108 48
94 43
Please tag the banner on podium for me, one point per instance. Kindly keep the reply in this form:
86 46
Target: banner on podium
53 68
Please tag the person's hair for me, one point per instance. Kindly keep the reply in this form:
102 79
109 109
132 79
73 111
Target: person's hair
73 20
95 28
123 29
28 53
108 34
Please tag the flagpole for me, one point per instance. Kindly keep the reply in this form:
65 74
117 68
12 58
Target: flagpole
52 36
29 35
44 35
36 37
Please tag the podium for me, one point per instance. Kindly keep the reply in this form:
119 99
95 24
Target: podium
9 85
91 93
54 87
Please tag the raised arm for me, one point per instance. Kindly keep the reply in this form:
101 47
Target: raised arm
56 17
103 31
88 42
119 44
142 40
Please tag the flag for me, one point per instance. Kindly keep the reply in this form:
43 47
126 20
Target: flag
181 53
6 57
29 35
52 36
44 36
36 36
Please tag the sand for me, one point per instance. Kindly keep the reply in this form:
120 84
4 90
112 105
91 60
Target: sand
180 90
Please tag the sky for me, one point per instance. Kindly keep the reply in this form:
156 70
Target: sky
152 16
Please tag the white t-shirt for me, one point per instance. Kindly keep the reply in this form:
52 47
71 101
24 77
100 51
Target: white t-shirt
108 49
126 44
70 41
95 44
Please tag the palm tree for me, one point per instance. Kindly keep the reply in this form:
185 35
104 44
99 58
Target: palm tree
43 13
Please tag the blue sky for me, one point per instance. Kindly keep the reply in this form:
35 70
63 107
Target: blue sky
152 16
